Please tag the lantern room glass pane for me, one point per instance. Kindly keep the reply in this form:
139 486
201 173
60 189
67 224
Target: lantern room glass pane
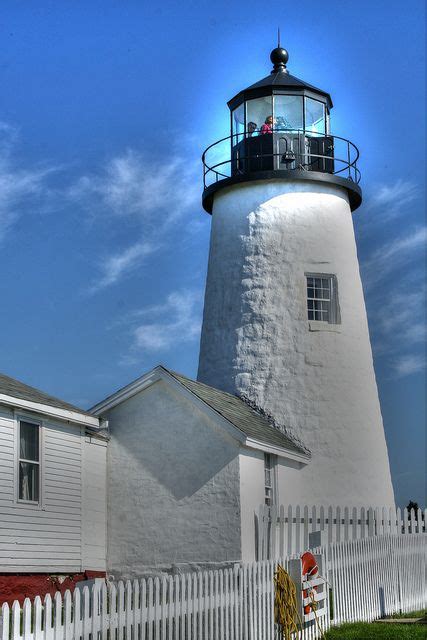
238 123
288 112
314 116
257 112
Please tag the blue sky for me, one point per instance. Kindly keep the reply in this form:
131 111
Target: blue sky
106 107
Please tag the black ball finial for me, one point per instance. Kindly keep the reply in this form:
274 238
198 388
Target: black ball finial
279 58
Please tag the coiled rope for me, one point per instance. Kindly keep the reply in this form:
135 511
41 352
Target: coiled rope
286 613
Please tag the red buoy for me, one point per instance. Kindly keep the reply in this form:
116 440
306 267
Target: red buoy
309 570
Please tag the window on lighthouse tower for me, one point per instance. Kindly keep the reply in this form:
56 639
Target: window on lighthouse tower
322 298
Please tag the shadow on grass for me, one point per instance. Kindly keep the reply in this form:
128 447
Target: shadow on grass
375 631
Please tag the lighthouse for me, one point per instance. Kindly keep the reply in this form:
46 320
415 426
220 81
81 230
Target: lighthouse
284 322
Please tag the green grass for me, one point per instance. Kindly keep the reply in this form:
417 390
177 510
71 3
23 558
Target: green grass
377 631
412 614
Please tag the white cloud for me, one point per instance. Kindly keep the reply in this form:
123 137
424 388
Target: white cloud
153 194
175 321
113 267
133 185
401 314
398 321
392 256
391 200
409 364
396 293
21 188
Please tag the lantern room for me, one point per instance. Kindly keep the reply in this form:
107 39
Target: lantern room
291 105
280 128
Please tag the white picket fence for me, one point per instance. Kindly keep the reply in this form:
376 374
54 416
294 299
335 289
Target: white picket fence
375 577
368 578
230 604
281 531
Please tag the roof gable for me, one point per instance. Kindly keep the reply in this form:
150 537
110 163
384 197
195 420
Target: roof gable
253 428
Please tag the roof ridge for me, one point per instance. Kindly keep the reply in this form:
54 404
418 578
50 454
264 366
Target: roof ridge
204 384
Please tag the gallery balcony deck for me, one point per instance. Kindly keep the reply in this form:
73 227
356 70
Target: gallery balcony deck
284 154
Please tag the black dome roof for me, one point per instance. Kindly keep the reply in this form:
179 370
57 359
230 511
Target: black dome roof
279 78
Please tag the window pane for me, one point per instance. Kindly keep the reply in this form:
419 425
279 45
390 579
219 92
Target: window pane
29 441
238 123
257 112
321 299
288 112
314 116
28 481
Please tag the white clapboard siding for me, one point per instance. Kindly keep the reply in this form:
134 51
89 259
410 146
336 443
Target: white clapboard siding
7 457
45 537
284 530
368 578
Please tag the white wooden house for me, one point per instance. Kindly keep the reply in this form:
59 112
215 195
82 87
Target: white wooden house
52 488
188 467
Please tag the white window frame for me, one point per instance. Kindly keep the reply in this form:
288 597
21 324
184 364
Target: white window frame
39 423
334 316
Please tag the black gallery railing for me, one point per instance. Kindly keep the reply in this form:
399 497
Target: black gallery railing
280 149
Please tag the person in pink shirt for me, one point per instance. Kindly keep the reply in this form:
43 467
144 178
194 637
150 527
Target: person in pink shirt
267 127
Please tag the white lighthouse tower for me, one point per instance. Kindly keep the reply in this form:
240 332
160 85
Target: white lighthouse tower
284 319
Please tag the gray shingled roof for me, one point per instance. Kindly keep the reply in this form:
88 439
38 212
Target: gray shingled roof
235 410
16 389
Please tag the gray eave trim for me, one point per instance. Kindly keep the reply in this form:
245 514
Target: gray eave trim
252 443
53 412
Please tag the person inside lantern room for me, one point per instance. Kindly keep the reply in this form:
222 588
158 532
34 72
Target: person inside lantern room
252 127
267 127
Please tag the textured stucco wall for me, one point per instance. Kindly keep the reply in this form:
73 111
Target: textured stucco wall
317 379
173 485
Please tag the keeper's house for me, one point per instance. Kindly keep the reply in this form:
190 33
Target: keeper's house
188 466
52 493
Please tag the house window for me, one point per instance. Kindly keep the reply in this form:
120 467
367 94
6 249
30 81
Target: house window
322 298
29 462
269 479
